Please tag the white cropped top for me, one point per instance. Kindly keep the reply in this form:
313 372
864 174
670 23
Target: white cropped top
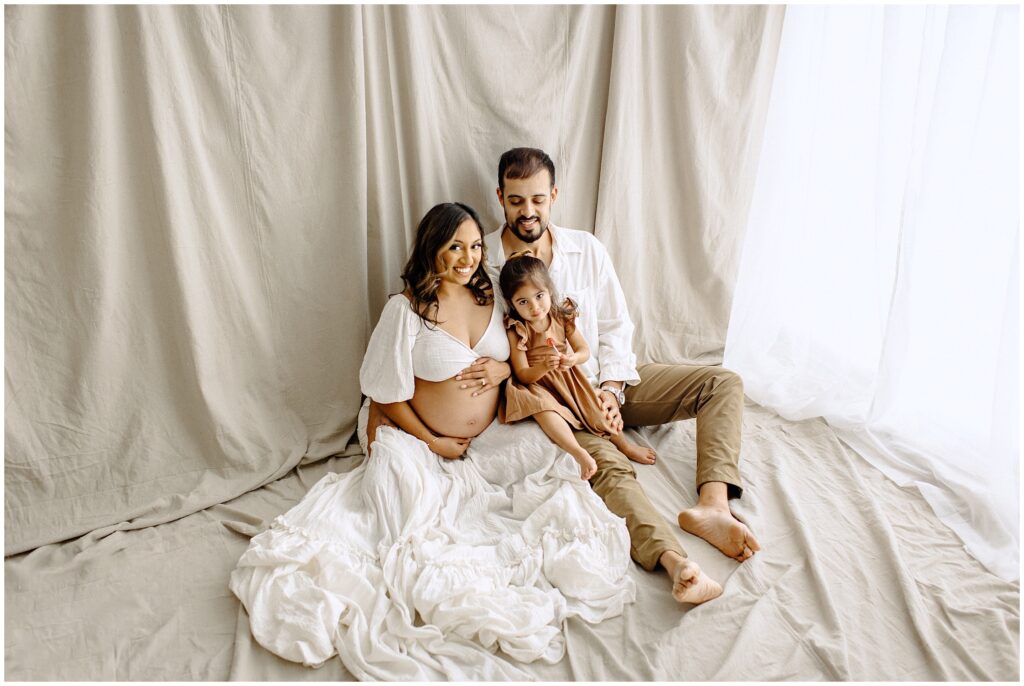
403 347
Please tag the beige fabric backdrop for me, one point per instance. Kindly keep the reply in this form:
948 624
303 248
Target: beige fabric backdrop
206 207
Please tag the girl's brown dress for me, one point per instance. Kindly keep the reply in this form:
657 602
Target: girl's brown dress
566 392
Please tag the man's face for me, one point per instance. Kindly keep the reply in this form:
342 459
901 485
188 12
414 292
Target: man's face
527 205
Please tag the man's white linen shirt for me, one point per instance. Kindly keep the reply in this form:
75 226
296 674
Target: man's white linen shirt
582 270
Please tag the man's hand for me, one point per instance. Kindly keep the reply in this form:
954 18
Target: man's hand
611 410
449 447
544 357
375 419
484 375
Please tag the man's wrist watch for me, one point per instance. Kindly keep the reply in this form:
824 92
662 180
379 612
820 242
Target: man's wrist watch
620 394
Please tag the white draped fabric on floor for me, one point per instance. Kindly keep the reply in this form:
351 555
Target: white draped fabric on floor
879 281
414 567
206 208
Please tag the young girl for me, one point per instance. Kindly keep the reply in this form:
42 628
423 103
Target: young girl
556 394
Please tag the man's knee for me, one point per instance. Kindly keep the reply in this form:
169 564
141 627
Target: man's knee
728 381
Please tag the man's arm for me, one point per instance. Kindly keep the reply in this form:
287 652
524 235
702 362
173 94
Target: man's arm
615 357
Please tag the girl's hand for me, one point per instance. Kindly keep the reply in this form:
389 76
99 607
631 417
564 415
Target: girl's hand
567 362
484 375
449 447
543 357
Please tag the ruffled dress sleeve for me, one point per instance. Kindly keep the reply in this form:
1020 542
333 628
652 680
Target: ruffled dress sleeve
570 321
522 334
386 374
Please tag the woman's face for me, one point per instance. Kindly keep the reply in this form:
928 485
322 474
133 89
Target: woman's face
532 302
459 259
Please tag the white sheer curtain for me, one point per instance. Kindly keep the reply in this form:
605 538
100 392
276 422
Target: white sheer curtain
878 286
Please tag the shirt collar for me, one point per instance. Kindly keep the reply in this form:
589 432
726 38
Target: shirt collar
562 241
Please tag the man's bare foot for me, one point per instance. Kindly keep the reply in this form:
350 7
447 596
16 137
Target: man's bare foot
689 583
720 528
637 453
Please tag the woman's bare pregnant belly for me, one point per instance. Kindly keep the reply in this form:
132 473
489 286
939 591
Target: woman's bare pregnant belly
452 411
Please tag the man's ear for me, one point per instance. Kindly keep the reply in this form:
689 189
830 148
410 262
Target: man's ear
501 196
554 194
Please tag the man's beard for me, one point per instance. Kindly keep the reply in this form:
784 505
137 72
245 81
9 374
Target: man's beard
522 235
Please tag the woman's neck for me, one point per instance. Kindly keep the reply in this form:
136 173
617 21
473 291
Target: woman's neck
450 291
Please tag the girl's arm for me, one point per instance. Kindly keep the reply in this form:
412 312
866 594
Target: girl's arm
581 351
521 367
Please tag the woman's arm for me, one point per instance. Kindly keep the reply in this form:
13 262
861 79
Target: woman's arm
402 414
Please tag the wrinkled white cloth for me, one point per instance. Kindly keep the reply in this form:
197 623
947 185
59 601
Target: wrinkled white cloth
412 567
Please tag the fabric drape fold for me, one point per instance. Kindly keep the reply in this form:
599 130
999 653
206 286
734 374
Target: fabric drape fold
687 98
879 280
207 207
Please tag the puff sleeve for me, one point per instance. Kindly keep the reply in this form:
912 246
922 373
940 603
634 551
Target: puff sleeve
520 329
386 374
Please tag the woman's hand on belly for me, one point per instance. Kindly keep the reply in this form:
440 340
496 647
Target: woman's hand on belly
483 376
449 447
451 411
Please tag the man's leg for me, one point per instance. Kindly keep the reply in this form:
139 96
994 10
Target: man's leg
652 539
714 396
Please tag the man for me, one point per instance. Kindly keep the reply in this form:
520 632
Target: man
653 394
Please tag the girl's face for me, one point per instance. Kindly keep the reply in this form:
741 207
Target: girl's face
459 259
532 302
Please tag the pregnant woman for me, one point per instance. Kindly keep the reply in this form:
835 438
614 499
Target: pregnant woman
459 535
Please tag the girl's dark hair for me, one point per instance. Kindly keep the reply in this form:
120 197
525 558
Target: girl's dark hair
522 267
420 275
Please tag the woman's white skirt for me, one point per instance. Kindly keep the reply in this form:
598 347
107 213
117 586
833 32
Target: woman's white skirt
413 567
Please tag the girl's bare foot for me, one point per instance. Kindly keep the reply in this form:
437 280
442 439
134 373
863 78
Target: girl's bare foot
690 584
587 465
721 529
637 453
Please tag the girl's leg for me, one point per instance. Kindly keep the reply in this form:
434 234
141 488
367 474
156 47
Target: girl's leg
557 429
637 453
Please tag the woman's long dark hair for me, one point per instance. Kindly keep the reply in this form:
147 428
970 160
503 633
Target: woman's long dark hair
420 275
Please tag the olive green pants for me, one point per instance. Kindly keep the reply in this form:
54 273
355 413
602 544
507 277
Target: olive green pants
668 393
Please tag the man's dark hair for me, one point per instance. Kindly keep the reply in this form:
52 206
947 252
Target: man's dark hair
522 163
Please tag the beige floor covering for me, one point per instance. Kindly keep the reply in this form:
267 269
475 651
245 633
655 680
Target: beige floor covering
858 580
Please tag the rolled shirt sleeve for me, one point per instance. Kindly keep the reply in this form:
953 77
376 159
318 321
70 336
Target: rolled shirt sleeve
386 374
614 327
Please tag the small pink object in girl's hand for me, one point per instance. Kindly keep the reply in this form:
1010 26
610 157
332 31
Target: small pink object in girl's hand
551 342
